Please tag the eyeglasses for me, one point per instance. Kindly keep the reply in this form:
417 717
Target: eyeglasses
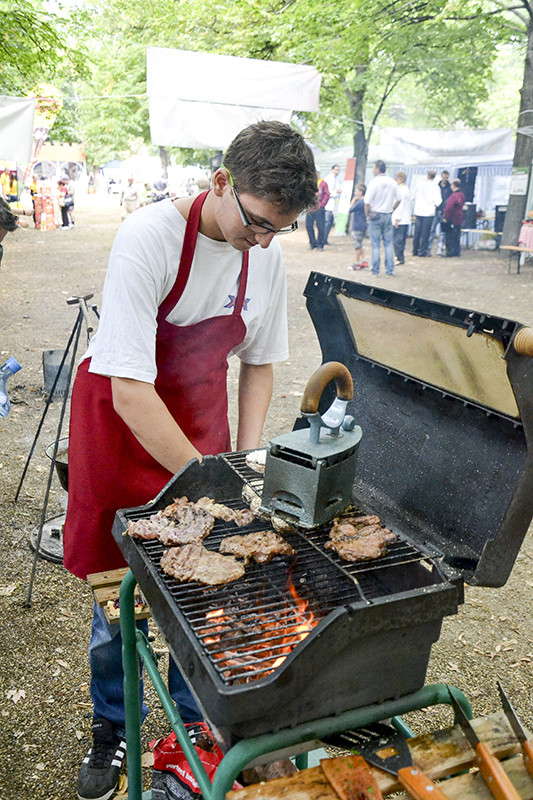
253 226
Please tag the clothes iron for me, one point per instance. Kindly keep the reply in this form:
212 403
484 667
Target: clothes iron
309 473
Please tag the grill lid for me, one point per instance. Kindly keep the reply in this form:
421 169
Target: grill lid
446 407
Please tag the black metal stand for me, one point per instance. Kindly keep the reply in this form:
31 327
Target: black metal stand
55 552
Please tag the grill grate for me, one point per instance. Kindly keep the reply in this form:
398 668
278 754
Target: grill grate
247 629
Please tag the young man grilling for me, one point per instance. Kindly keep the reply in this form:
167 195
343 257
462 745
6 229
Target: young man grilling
186 288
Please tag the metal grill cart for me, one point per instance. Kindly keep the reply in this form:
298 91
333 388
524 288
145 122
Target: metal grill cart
444 398
294 741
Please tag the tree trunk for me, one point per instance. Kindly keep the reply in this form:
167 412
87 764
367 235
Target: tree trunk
163 155
523 154
360 143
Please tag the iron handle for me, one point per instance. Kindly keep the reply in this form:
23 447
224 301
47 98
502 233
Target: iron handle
419 785
331 370
523 342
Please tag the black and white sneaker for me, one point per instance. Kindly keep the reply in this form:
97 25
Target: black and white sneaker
101 767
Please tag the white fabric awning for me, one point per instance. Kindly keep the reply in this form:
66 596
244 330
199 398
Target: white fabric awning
405 146
203 100
16 128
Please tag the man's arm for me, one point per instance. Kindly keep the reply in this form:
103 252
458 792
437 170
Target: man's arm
255 391
150 421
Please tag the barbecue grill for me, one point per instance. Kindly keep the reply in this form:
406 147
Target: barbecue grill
444 402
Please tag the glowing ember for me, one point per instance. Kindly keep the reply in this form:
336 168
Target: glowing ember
251 644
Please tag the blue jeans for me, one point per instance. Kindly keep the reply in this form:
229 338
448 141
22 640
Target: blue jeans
317 218
107 676
328 225
437 223
379 228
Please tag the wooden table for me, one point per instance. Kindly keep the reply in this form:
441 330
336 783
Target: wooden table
440 754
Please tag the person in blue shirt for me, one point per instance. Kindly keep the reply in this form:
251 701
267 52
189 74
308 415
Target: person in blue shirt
359 225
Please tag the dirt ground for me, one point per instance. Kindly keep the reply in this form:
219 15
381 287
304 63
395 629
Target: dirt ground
45 706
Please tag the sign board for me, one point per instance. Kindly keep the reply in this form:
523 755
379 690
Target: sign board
519 180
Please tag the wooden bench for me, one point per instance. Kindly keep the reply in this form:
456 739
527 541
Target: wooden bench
105 587
516 250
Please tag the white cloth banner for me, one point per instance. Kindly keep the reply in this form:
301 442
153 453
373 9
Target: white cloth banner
405 146
203 100
16 128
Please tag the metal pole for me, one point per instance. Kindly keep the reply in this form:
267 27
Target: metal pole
47 406
77 328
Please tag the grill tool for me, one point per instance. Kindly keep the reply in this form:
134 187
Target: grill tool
493 773
518 730
309 473
386 748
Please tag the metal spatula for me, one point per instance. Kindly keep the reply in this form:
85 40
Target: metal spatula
384 747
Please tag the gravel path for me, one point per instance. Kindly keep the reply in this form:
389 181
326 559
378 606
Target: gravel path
44 675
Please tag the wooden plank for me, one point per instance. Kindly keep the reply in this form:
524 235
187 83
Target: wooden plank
515 248
438 754
112 576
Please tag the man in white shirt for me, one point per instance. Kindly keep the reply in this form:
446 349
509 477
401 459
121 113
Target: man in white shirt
334 182
427 199
381 198
401 218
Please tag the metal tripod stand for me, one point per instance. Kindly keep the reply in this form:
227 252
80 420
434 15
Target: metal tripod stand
83 317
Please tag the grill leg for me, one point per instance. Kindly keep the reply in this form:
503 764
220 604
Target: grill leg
132 703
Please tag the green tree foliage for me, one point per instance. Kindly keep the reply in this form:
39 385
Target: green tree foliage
36 46
368 52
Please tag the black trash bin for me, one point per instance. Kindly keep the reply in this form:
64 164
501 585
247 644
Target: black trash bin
499 222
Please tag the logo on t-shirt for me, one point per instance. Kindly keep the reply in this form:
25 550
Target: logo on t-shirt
233 298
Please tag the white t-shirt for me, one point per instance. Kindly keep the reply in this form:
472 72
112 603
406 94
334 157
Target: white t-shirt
381 194
334 183
427 198
402 213
142 270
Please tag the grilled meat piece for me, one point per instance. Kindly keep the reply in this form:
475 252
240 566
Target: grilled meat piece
262 546
180 523
193 562
240 516
359 538
366 547
344 528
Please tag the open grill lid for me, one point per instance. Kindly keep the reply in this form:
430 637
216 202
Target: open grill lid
446 407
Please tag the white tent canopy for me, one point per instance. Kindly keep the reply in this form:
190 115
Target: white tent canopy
203 100
405 146
16 128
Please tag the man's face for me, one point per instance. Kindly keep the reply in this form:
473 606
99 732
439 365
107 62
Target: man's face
336 169
445 176
259 211
377 170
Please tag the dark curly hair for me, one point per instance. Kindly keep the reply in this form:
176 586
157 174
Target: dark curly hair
272 161
8 220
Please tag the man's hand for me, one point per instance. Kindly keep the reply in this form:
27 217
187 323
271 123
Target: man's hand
255 391
396 223
152 424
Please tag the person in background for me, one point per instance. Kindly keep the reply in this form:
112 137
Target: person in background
8 223
334 182
359 225
401 218
129 199
381 198
453 219
4 184
69 200
190 282
436 225
33 193
61 201
316 216
13 195
427 199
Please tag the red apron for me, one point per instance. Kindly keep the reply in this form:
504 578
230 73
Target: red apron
108 468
